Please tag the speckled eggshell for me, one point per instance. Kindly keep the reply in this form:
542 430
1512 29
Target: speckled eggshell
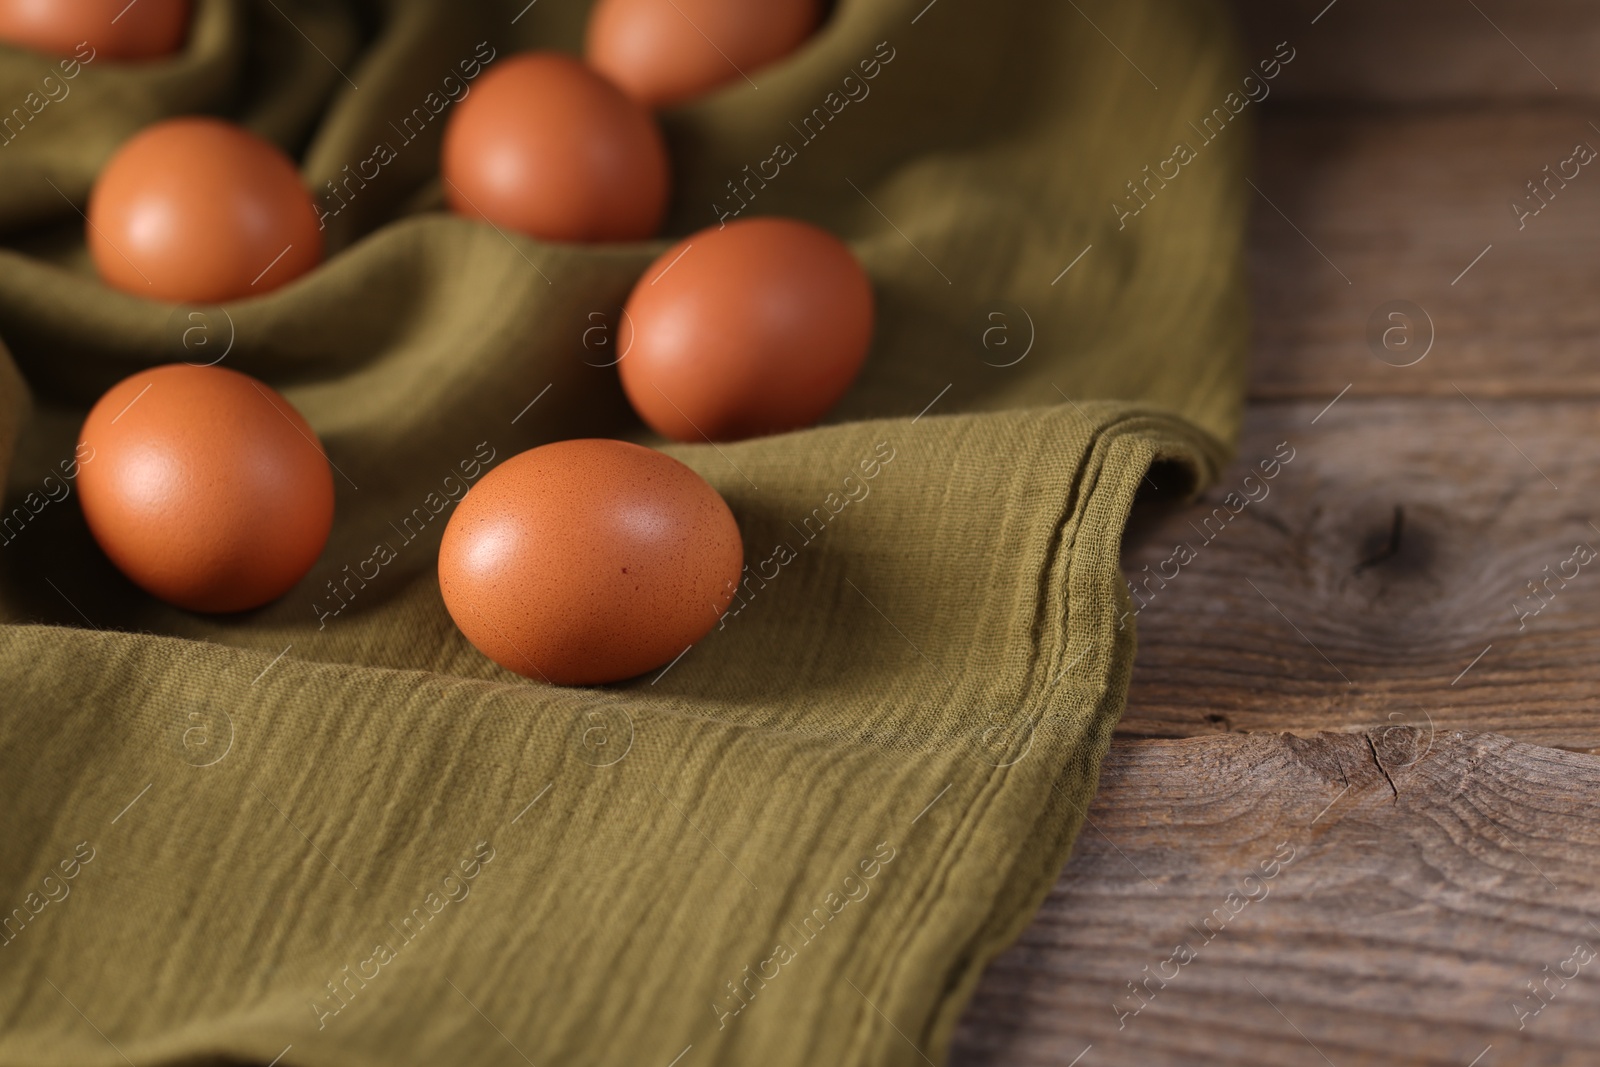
589 561
110 29
664 52
545 146
198 210
757 327
204 486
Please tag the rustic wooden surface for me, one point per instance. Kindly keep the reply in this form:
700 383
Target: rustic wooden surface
1430 51
1394 549
1438 781
1445 477
1420 899
1396 205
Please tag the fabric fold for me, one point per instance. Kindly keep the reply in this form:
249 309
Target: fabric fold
263 826
330 830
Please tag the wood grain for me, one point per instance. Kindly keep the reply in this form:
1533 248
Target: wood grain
1377 207
1422 895
1377 587
1396 546
1429 51
1341 629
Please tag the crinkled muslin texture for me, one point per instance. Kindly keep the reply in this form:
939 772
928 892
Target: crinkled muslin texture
330 830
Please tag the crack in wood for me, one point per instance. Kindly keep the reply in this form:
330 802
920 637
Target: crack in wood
1379 761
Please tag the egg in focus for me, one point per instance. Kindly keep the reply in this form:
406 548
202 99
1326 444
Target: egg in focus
756 327
204 486
589 561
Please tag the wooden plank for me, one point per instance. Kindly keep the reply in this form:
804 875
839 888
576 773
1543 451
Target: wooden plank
1429 51
1380 207
1314 608
1406 910
1373 587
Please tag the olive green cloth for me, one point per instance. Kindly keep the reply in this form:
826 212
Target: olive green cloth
330 830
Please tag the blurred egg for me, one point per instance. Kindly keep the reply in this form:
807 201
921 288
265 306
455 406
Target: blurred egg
111 29
197 210
545 146
589 561
204 486
664 52
753 328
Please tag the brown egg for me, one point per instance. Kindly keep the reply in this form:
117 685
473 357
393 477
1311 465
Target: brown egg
110 29
204 486
753 328
198 210
666 51
589 561
545 146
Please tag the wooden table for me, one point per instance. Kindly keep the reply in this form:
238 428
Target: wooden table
1352 813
